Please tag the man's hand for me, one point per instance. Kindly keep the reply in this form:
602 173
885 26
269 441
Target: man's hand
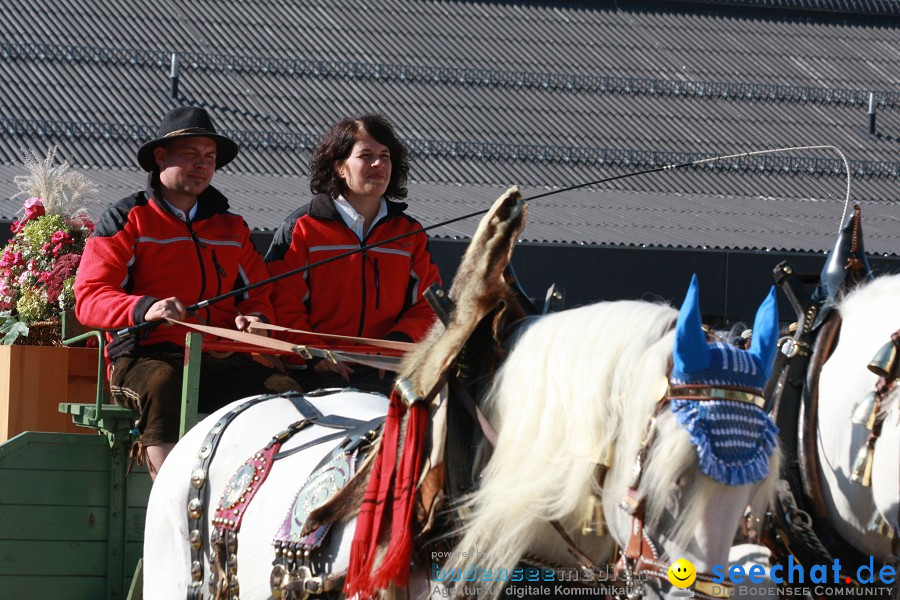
170 308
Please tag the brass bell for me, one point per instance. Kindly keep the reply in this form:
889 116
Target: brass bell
862 466
884 363
864 411
594 522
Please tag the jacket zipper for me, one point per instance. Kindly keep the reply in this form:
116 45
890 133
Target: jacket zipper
362 312
219 270
198 245
377 285
365 256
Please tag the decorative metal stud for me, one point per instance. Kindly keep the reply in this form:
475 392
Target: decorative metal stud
196 571
195 508
195 539
198 478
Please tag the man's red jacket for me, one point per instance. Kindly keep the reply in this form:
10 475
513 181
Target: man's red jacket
140 252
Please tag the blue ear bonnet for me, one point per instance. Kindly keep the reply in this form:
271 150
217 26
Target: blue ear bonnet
734 440
696 362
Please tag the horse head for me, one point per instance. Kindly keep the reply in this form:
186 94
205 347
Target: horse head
578 411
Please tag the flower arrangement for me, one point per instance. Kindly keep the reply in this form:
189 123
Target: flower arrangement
38 265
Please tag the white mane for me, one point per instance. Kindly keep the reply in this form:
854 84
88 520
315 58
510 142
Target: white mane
577 384
873 302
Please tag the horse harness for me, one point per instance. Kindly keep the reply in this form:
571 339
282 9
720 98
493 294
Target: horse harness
789 529
298 570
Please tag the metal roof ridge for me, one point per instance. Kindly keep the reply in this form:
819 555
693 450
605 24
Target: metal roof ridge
465 76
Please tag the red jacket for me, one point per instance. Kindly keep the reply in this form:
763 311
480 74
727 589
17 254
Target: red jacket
140 253
376 293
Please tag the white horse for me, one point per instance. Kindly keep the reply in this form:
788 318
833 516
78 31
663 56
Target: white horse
865 517
167 552
870 314
594 376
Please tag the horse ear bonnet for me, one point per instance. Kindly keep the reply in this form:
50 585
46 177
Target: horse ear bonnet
696 362
734 440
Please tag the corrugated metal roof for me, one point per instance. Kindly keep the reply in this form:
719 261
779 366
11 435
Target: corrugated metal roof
591 216
488 94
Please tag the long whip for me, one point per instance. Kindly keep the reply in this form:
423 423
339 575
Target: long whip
671 167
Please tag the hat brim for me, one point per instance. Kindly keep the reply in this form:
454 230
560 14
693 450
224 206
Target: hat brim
226 149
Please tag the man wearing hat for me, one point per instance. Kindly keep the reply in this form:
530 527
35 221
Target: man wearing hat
159 250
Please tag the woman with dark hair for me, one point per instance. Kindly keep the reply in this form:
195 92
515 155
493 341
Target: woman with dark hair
356 172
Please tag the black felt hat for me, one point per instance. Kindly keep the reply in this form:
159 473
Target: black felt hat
187 121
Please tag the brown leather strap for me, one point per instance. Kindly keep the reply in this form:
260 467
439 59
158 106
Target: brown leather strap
404 346
477 415
808 451
388 363
644 559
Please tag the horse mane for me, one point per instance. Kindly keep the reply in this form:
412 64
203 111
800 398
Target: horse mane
867 301
579 384
576 383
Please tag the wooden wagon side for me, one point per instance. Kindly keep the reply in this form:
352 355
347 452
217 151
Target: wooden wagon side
71 524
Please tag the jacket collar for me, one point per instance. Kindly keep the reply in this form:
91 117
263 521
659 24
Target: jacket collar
210 201
321 207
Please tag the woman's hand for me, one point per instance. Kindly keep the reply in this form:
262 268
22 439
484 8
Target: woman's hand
341 369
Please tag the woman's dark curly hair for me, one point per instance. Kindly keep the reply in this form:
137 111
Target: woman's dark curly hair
339 142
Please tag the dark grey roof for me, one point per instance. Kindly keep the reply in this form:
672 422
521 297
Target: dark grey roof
542 94
606 217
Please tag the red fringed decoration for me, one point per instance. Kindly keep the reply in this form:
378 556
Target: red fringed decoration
388 505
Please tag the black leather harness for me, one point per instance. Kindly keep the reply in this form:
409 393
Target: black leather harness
244 484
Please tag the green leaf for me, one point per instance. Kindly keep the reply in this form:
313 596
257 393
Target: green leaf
11 329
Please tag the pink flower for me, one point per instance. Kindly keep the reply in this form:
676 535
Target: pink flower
64 268
34 208
11 258
60 236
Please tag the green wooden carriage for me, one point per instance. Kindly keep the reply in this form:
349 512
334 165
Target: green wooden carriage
71 522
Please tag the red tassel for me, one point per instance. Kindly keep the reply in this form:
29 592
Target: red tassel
389 495
399 551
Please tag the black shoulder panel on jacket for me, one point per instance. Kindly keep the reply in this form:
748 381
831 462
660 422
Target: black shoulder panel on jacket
114 218
281 241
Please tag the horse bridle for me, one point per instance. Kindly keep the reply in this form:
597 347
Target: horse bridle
640 556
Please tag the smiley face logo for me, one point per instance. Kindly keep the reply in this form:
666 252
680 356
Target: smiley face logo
682 573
